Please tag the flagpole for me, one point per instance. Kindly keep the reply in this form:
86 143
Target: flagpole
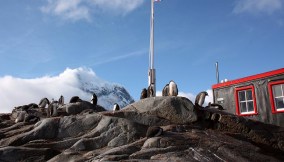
152 71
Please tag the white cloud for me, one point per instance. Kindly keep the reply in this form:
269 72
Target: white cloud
82 9
16 91
257 6
119 6
192 96
67 9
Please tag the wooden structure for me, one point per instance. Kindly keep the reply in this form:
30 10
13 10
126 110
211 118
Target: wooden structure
258 97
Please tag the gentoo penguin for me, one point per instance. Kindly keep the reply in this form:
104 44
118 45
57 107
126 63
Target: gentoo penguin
94 99
20 116
165 91
173 90
150 91
61 100
200 98
116 107
154 131
43 102
216 106
143 93
52 109
75 99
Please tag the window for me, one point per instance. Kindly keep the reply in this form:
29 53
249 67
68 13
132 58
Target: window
276 93
245 101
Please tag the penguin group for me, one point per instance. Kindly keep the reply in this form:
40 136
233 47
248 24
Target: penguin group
170 89
26 113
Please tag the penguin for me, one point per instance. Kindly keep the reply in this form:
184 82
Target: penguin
200 98
154 131
116 107
150 91
75 99
173 90
214 105
143 93
61 100
94 99
20 116
43 102
52 109
165 91
30 118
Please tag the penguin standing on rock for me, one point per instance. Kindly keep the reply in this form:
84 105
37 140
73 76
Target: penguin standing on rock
43 102
143 93
52 109
116 107
20 116
173 90
200 98
216 106
61 100
150 91
165 91
94 99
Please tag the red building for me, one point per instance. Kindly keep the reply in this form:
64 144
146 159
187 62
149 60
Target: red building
258 97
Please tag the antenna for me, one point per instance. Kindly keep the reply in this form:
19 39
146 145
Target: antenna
217 72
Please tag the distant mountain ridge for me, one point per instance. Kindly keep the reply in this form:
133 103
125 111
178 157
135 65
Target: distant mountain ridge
108 93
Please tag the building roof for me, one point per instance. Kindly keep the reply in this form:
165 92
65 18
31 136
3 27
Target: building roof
249 78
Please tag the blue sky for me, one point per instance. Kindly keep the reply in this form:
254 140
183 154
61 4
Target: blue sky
44 37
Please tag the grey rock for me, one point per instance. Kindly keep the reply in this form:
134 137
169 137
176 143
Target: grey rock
189 134
11 153
78 107
178 110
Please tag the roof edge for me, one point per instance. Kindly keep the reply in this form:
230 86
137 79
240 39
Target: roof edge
249 78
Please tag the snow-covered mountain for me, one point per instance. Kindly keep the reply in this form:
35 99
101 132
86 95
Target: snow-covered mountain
82 82
107 93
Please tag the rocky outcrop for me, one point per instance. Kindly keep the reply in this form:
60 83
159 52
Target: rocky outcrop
189 134
78 107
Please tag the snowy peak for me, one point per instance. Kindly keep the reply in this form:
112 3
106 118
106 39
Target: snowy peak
108 93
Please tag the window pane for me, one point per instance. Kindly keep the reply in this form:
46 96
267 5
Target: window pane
279 102
243 107
277 90
242 96
250 106
249 94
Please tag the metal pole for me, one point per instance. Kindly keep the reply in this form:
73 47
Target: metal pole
152 73
217 72
152 35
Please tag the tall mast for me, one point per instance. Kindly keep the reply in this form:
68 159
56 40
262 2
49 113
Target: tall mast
152 71
217 72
